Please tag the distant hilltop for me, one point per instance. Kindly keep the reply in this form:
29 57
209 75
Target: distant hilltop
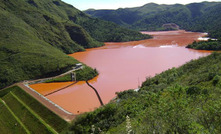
171 26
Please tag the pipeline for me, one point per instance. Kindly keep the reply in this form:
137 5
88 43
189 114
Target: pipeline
95 92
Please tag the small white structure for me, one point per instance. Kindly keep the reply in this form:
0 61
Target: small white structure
78 65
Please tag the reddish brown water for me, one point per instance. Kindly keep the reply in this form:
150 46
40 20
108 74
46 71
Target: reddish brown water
123 66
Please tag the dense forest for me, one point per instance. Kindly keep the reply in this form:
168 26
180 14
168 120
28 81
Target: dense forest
36 35
206 45
199 17
128 16
179 100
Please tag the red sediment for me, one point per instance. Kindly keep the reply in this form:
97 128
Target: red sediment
46 88
123 66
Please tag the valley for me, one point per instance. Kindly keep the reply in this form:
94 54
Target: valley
152 69
123 66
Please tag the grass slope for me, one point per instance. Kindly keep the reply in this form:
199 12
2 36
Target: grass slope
8 122
28 119
30 111
33 113
51 118
179 100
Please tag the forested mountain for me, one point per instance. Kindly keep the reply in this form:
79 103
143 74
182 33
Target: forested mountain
36 34
128 16
150 17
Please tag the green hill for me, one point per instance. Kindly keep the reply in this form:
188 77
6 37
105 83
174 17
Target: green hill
36 35
199 17
128 16
151 17
179 100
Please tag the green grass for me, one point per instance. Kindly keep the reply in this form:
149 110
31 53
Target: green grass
27 118
32 112
8 122
7 90
48 116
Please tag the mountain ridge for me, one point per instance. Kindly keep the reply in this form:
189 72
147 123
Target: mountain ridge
151 17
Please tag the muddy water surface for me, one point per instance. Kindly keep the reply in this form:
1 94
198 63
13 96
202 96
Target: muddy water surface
123 66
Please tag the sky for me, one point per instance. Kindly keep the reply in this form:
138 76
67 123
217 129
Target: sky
114 4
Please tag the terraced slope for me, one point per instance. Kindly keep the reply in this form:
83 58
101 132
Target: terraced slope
27 115
9 124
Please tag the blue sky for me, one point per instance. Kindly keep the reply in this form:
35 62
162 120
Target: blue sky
114 4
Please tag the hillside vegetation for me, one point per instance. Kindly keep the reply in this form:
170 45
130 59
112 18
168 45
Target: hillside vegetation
36 35
20 113
199 17
206 45
128 16
179 100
